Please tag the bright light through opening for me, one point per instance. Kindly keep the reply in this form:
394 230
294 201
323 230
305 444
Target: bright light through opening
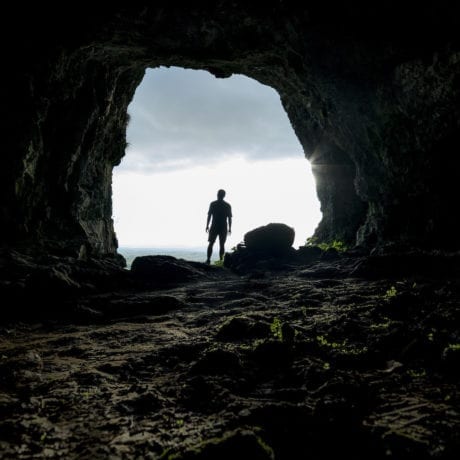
191 134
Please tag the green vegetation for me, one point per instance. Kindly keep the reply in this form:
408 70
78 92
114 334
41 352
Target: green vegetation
283 332
385 324
180 422
390 293
276 328
416 373
251 346
325 343
343 348
219 263
453 347
338 245
312 241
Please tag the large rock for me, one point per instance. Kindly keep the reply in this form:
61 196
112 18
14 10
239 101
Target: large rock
165 269
266 248
273 239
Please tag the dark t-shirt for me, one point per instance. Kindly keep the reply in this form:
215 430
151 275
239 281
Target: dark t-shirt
219 210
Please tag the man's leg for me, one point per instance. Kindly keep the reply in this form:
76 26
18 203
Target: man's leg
211 239
222 239
208 260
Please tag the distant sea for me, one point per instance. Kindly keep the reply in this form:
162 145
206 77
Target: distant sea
195 254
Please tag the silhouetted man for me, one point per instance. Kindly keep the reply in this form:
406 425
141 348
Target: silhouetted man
220 211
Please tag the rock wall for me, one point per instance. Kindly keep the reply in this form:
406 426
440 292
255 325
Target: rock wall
372 94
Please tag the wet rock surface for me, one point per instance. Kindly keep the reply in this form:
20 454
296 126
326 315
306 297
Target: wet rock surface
300 363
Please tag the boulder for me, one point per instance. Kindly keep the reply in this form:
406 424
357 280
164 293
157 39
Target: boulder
273 239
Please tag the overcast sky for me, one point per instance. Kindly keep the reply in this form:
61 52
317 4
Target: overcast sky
190 134
188 117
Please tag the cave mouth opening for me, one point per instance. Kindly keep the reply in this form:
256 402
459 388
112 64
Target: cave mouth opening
191 134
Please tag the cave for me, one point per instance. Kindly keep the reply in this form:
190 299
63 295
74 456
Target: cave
372 92
373 109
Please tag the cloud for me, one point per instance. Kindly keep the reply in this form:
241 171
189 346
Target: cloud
182 118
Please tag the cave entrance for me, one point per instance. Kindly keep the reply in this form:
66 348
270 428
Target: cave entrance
191 134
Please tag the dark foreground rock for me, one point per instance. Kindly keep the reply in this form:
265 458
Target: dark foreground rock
245 260
38 286
168 269
405 263
306 363
65 288
236 444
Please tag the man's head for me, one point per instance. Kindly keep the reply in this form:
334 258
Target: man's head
221 194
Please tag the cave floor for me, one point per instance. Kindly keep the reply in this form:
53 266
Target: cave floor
296 364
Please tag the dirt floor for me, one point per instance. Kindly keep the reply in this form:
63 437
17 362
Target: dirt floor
299 363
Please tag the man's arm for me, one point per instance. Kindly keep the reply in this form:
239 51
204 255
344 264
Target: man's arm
209 217
229 219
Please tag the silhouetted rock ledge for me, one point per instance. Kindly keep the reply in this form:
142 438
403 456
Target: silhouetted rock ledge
169 270
245 260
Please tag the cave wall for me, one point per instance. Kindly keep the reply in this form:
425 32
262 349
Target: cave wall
372 94
68 124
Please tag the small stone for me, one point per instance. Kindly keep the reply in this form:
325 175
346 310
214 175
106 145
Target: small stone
244 413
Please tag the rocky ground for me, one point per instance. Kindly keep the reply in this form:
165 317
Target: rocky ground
303 361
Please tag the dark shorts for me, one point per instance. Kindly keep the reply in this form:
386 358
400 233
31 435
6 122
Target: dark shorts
217 232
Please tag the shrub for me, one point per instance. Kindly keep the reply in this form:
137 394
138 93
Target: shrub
338 245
